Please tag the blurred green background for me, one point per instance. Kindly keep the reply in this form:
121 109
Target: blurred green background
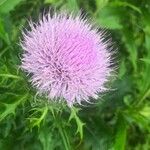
120 120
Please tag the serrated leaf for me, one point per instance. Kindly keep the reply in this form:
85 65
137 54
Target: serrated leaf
35 120
80 124
10 108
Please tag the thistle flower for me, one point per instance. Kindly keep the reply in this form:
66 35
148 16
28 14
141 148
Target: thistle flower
66 58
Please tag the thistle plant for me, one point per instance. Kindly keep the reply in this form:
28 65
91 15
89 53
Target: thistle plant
66 57
69 59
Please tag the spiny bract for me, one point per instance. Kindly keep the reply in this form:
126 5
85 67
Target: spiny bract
66 57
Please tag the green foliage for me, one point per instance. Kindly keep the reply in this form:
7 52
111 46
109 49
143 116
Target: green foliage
10 108
119 121
121 131
7 5
80 124
41 113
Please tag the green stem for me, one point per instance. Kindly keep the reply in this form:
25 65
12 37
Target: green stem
121 133
62 131
63 135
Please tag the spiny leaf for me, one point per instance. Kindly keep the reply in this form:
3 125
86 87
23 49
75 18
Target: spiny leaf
34 119
80 124
10 108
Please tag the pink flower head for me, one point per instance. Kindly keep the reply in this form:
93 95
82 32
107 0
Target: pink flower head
66 58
